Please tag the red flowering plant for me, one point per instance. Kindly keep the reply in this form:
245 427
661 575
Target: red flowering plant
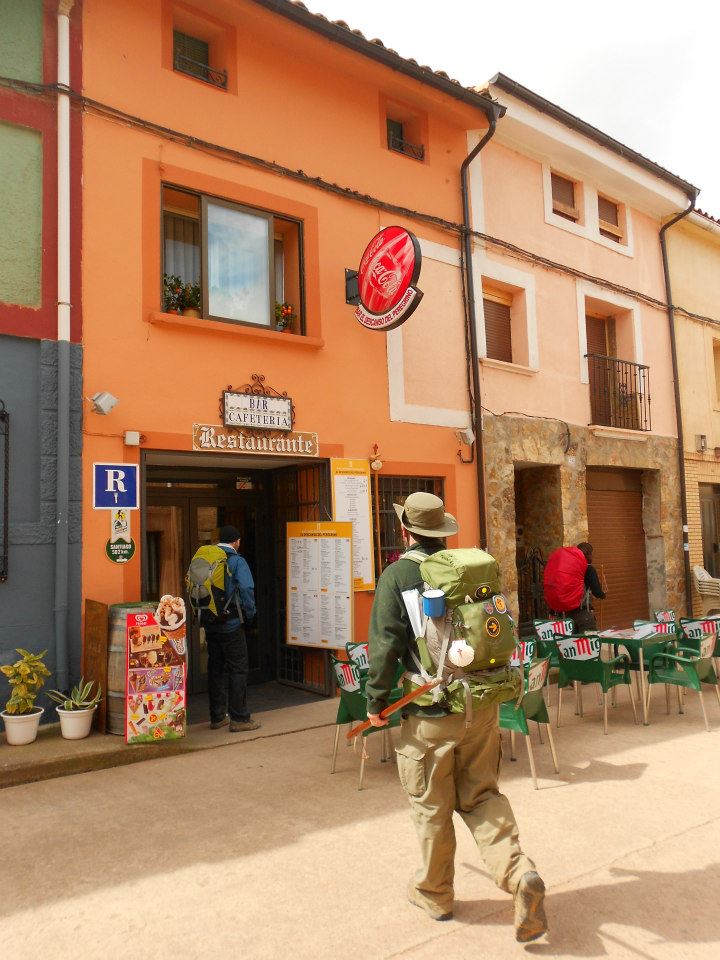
284 315
172 293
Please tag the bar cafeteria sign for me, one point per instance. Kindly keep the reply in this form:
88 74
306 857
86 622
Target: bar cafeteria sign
388 272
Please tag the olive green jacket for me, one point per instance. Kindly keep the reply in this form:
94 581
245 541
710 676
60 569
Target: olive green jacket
391 636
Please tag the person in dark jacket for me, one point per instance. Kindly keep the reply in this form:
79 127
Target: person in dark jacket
584 616
227 644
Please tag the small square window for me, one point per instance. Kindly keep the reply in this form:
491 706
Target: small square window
610 219
191 56
404 131
564 202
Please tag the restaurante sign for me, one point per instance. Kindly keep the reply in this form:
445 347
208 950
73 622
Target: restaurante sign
388 272
217 438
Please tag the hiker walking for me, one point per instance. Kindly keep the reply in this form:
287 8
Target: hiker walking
222 593
449 748
570 581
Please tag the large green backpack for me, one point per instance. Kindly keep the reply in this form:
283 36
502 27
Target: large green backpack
206 581
476 613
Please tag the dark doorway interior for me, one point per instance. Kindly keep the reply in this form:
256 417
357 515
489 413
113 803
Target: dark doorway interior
185 504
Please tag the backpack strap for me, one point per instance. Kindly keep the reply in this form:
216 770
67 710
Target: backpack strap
417 555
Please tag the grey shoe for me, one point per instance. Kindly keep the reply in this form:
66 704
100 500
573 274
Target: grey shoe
433 910
240 726
530 919
216 724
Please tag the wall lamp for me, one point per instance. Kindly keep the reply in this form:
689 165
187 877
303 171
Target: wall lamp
103 402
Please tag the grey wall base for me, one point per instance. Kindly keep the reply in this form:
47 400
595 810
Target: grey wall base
28 386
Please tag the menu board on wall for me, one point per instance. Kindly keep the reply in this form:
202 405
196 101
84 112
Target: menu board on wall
156 672
351 500
319 584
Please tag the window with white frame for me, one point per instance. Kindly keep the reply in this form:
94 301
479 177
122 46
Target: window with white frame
610 219
508 305
565 197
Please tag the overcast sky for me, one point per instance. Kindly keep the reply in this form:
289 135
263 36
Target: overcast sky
647 72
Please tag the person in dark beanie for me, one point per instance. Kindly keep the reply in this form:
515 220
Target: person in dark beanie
227 645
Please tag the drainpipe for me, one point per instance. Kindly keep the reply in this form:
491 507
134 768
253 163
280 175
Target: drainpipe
470 318
62 491
678 406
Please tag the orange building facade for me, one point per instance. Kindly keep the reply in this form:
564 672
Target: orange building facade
252 150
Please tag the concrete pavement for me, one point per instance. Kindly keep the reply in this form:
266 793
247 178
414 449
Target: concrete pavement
255 851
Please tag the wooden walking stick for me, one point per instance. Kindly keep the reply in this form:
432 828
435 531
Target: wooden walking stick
394 707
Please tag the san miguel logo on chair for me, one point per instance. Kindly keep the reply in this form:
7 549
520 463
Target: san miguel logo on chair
389 269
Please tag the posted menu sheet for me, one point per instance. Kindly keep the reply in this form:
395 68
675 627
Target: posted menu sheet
319 584
352 501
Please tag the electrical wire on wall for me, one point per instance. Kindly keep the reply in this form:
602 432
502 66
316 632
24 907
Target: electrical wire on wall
532 416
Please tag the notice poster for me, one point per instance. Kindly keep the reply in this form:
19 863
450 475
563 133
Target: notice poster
352 501
319 584
156 672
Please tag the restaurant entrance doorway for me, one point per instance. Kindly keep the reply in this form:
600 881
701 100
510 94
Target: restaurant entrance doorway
187 498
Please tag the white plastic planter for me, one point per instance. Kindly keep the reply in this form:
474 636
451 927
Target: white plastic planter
75 724
21 728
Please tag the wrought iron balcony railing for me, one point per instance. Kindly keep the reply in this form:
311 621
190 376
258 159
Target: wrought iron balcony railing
619 392
196 68
414 150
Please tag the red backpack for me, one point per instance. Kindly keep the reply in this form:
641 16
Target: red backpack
564 580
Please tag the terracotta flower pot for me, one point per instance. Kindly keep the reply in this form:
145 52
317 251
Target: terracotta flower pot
191 312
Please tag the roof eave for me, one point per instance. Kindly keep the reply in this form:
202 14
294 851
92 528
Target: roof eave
381 54
511 87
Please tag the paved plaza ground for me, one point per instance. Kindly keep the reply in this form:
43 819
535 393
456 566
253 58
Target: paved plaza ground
254 851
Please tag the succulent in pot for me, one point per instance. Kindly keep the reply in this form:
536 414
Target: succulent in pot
76 709
26 677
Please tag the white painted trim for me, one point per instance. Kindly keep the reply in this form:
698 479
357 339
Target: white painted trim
618 433
589 229
493 364
400 410
475 183
521 279
586 289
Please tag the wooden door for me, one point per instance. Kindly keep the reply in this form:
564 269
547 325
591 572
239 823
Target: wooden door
614 509
598 370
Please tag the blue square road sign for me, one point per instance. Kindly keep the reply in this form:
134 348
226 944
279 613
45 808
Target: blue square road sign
115 485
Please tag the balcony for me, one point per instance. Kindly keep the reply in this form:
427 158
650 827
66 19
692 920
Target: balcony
414 150
199 70
619 393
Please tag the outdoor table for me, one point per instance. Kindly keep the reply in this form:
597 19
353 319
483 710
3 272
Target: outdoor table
635 640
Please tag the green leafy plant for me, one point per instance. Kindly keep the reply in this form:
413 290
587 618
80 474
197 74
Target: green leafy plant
172 291
79 697
26 676
190 296
284 315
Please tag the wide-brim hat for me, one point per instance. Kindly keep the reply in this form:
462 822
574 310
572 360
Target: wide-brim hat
424 514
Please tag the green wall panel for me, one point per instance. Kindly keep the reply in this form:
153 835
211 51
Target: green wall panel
20 215
21 23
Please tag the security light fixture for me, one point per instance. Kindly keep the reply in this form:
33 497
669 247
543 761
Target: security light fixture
466 435
103 402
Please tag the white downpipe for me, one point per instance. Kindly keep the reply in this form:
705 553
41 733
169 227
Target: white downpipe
63 170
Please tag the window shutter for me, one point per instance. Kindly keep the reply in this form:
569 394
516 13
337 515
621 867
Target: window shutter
563 190
596 330
498 330
395 134
192 56
608 211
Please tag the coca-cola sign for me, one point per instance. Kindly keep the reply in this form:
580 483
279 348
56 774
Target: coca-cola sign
389 270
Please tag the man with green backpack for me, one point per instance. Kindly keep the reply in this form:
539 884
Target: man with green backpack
221 591
449 751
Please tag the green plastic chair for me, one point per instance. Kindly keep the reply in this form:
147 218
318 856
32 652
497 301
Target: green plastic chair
352 709
664 616
515 716
546 631
581 662
690 665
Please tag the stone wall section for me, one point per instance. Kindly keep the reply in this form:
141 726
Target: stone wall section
535 442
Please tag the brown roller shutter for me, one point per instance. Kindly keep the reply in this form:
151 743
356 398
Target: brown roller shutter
614 505
498 330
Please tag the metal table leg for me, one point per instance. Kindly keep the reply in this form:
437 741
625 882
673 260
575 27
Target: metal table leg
641 661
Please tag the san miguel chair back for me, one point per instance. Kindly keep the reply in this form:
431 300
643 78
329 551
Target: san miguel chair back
546 631
515 716
664 616
359 655
690 665
581 662
352 708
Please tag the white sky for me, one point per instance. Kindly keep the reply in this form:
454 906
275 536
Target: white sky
647 72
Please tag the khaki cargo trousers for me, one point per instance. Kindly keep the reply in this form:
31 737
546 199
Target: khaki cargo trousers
444 766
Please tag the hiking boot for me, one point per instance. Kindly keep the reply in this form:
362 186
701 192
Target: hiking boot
432 909
530 919
216 724
240 726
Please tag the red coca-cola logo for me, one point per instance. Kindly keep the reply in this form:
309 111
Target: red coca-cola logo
389 268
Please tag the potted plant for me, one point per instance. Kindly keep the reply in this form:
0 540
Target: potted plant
191 300
76 709
172 292
26 676
284 316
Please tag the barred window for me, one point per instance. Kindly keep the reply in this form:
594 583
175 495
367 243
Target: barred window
392 490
